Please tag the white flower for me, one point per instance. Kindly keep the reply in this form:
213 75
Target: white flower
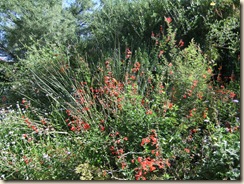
45 156
235 101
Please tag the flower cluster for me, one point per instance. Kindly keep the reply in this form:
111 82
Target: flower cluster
149 164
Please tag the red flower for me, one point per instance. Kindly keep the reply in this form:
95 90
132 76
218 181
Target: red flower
72 128
123 165
102 128
157 153
145 140
167 163
161 52
154 139
43 122
139 159
144 165
136 67
68 112
106 63
181 43
232 94
149 112
121 151
23 101
171 105
138 175
133 77
160 164
187 150
168 19
128 53
86 126
152 168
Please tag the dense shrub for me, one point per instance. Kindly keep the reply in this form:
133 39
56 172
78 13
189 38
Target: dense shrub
142 114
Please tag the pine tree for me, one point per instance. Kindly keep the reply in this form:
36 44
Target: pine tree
26 22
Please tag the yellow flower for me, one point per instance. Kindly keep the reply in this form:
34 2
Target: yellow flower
212 4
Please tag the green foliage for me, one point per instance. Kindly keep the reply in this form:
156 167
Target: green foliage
88 171
151 112
26 22
29 155
121 24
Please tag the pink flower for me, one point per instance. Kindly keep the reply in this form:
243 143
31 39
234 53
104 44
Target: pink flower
168 19
86 126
